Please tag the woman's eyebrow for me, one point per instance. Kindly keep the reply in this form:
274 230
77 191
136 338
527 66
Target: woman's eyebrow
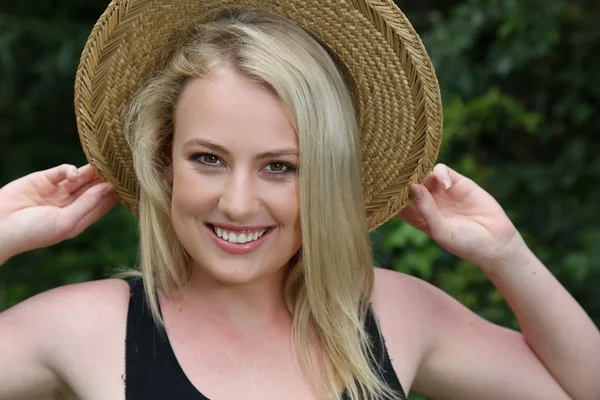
287 151
205 143
290 151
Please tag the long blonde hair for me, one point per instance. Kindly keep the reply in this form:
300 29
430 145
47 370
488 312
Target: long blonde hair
330 281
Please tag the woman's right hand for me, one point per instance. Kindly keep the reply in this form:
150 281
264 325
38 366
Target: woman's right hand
47 207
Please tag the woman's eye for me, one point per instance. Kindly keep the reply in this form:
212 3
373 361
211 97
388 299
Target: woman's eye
209 159
279 167
276 167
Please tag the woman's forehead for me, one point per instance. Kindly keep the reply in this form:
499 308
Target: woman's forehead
227 108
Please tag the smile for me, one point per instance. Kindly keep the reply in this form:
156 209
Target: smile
238 241
238 237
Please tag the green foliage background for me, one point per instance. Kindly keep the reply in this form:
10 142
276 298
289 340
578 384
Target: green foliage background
521 87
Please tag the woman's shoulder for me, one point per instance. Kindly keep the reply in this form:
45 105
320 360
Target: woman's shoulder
74 315
401 300
75 312
397 292
93 299
403 305
77 331
404 295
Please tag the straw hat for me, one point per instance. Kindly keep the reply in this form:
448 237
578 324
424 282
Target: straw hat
397 92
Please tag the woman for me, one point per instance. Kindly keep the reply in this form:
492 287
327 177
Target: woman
245 151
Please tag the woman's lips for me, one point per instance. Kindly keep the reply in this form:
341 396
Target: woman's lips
238 248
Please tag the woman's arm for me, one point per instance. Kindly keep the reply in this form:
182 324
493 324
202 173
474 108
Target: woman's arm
558 354
461 356
39 210
24 372
554 325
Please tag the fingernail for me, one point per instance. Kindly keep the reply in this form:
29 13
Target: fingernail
447 183
108 190
417 193
73 175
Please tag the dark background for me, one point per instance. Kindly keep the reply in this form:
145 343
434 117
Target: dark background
521 87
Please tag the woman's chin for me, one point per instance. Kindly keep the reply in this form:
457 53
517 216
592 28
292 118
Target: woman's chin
236 274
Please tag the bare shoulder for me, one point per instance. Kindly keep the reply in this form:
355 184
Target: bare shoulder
67 334
411 313
401 296
71 314
451 344
395 291
81 303
401 300
403 304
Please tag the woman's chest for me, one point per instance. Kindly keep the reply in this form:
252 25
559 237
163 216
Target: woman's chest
230 365
187 371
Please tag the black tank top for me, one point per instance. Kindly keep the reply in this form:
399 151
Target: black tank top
153 373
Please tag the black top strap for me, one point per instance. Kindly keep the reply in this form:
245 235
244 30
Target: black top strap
381 359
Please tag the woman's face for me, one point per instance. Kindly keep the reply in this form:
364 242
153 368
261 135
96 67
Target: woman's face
235 189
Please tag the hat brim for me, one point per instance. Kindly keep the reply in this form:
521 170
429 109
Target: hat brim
397 92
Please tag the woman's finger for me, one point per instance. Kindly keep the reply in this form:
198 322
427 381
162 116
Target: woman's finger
105 205
58 174
425 205
412 216
442 175
450 174
86 175
431 182
70 215
81 190
87 172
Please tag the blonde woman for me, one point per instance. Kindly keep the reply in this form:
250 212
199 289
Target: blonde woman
250 156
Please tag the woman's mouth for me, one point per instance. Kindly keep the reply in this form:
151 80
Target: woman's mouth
237 236
239 241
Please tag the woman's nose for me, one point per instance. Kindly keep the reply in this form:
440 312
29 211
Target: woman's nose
239 200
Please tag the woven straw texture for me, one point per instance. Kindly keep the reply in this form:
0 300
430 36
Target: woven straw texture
398 95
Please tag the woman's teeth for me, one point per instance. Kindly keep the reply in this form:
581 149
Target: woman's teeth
234 237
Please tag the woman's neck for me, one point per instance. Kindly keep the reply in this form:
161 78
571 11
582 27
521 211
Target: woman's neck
248 308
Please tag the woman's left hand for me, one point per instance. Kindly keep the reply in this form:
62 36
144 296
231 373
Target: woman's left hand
462 218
